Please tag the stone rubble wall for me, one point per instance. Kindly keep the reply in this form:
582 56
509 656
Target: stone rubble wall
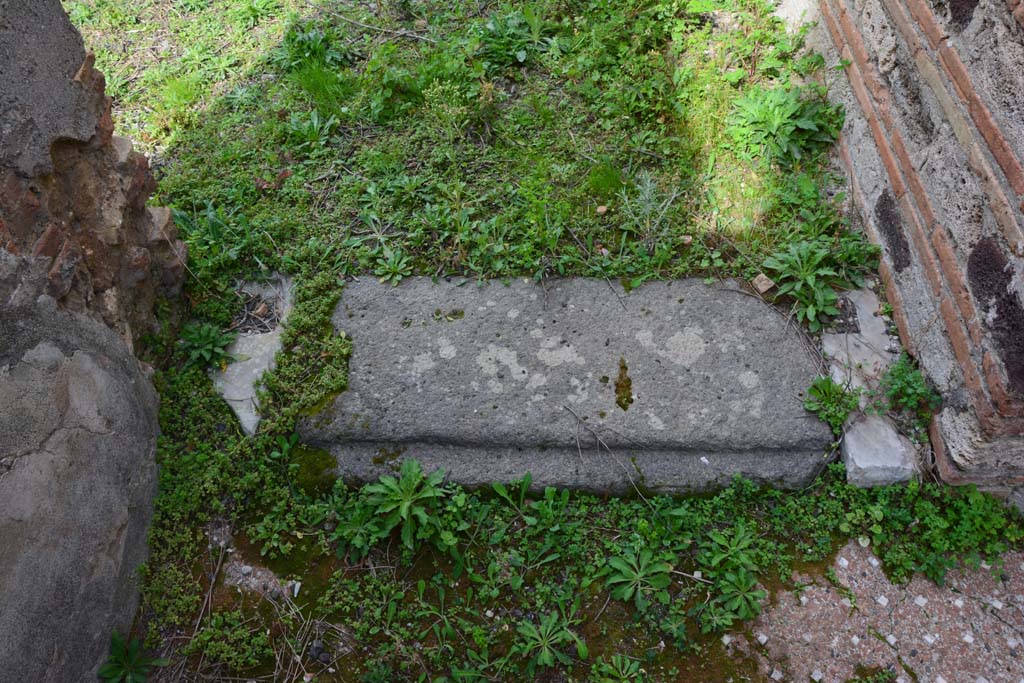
71 192
82 262
933 145
78 430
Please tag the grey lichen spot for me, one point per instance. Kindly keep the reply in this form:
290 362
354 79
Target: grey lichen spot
750 405
491 360
445 348
579 391
749 380
423 362
554 353
654 421
682 348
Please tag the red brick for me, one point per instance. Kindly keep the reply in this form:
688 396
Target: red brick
831 24
888 159
899 314
879 93
49 242
903 25
870 80
62 272
1005 402
926 21
944 465
857 194
913 180
982 118
950 472
999 203
6 240
954 278
962 351
105 125
921 246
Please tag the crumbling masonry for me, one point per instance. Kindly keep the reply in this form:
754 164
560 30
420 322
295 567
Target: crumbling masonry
933 144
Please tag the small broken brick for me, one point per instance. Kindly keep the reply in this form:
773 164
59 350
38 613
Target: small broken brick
762 283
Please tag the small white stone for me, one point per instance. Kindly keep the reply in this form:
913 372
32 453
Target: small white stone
806 637
1012 643
940 679
920 601
986 565
804 600
958 603
726 639
998 604
698 574
489 614
855 640
843 562
762 638
845 602
968 638
882 600
901 679
875 453
705 460
980 679
891 639
777 675
930 639
816 675
873 561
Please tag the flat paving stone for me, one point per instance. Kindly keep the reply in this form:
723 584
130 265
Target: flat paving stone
672 387
253 354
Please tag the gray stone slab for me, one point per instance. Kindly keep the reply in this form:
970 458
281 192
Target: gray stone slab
487 380
859 359
253 354
876 454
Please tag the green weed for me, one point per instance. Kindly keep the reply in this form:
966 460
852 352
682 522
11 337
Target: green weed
784 124
804 273
618 669
640 577
831 401
229 638
206 345
905 390
407 502
544 643
127 663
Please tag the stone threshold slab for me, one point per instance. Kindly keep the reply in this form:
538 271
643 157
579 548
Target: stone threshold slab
672 387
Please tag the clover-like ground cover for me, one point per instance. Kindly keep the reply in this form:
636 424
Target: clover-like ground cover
628 139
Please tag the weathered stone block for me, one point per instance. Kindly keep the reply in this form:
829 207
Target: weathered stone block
69 190
673 387
876 454
78 428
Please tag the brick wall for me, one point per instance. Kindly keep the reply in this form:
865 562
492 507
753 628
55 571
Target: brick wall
933 145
